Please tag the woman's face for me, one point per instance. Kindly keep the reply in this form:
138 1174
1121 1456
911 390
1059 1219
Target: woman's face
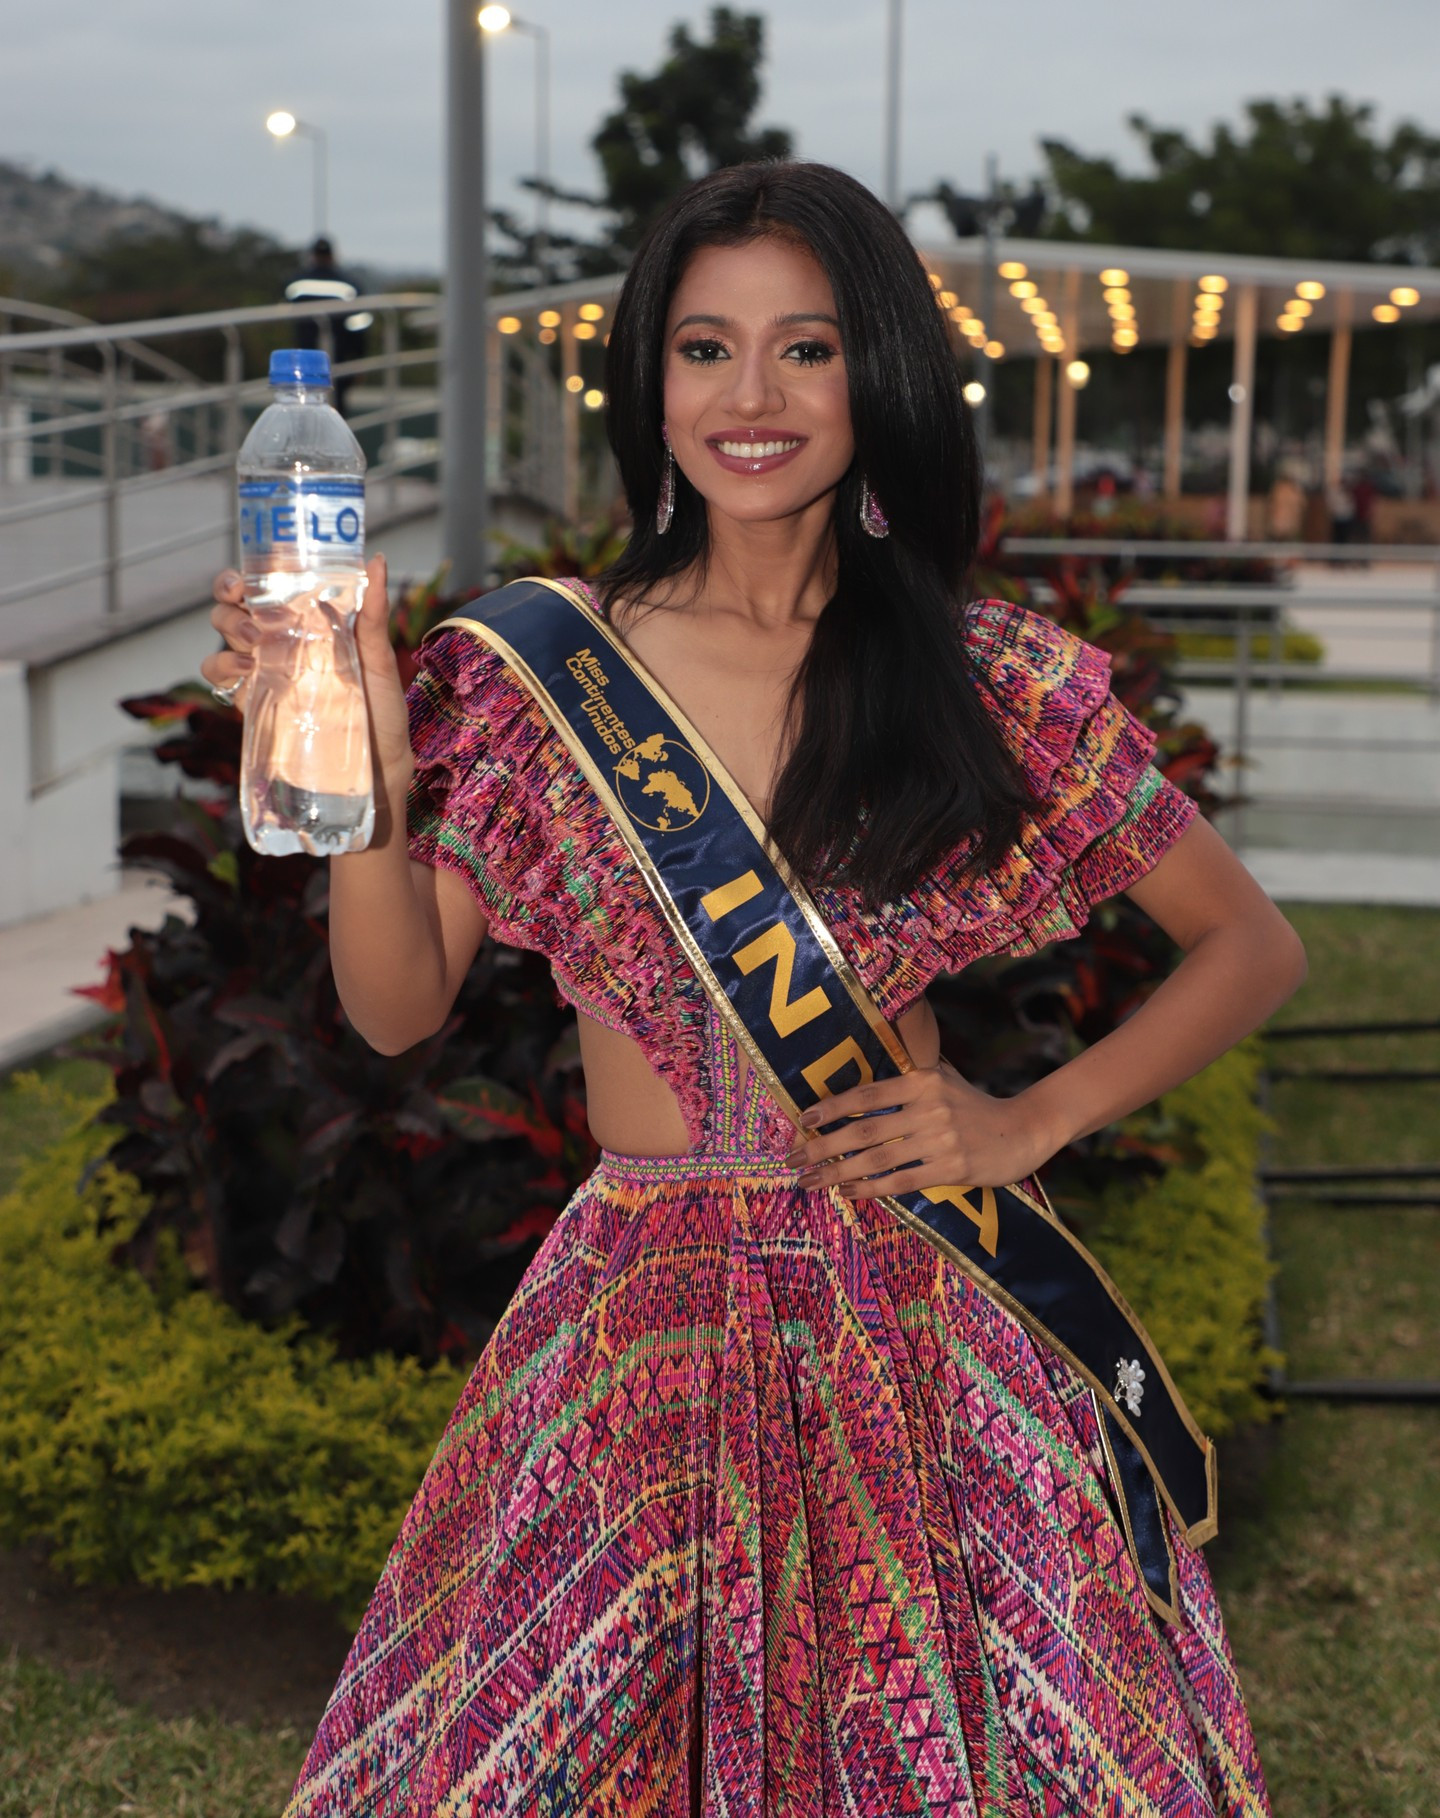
757 406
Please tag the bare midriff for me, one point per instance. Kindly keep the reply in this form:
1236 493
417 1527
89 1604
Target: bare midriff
633 1112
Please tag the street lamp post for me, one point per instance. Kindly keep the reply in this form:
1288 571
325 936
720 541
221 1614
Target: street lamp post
464 345
894 11
985 364
500 19
284 125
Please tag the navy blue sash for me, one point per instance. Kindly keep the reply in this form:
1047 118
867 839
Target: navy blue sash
758 945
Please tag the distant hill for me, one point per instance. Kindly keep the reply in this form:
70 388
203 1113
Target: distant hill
46 220
51 230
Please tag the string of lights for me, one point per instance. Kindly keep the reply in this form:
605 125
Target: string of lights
1207 319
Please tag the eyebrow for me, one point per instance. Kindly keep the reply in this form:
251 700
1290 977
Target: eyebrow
790 321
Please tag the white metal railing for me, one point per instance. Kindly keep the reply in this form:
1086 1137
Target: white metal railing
85 409
1267 600
1248 611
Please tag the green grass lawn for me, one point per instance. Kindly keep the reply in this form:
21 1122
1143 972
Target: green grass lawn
1329 1553
1328 1564
70 1749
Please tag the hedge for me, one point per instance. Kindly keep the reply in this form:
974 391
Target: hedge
1189 1250
158 1437
161 1438
1221 646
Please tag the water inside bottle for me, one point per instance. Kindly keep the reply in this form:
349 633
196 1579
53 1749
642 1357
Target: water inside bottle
305 774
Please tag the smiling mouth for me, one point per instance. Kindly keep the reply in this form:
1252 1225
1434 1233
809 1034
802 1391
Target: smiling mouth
756 451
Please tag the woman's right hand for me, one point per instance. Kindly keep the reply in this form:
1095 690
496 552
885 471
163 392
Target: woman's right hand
385 697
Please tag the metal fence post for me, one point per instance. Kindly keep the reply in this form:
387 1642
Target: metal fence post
234 378
110 472
1435 642
1242 723
5 415
390 329
56 460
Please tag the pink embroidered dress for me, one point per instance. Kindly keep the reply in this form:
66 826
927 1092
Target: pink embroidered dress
754 1507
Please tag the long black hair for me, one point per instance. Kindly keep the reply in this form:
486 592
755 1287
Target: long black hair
895 761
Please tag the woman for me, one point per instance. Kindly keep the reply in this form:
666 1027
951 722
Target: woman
754 1502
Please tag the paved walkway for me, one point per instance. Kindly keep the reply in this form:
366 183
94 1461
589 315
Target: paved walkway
41 963
1392 633
1402 879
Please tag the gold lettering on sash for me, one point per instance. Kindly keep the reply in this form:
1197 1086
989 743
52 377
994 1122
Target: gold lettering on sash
986 1220
726 897
778 944
611 730
819 1073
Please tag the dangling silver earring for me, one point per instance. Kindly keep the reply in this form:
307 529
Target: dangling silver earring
873 520
665 509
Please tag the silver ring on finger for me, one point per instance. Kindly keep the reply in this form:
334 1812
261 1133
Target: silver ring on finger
228 691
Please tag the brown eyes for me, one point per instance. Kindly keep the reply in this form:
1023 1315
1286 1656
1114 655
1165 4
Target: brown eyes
708 352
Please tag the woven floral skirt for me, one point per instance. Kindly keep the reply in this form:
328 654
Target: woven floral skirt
754 1507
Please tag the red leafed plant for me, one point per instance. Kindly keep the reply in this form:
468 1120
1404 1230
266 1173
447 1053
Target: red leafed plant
392 1201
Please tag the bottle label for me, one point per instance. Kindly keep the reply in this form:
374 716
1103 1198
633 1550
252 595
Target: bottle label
303 521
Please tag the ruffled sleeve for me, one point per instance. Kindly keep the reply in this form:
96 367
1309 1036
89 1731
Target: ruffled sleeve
473 732
1107 814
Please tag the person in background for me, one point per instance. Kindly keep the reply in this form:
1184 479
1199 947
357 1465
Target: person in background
1363 492
1340 501
157 442
323 281
1287 507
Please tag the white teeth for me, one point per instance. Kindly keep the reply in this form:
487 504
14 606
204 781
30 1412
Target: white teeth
755 451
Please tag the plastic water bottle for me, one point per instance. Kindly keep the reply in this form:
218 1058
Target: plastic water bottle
305 776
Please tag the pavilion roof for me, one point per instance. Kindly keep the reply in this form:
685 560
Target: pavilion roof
1163 287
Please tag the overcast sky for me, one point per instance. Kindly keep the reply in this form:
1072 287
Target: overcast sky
167 98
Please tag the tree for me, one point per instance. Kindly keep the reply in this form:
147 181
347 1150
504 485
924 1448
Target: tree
1292 181
1014 212
196 267
192 268
692 115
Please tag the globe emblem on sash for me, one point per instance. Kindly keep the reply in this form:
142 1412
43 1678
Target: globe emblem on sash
662 784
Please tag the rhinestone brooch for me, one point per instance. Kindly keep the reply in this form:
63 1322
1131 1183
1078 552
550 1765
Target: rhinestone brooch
1129 1383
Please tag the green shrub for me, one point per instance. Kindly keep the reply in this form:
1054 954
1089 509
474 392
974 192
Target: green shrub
153 1435
1188 1248
1219 646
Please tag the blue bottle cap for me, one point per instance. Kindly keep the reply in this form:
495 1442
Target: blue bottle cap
300 366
